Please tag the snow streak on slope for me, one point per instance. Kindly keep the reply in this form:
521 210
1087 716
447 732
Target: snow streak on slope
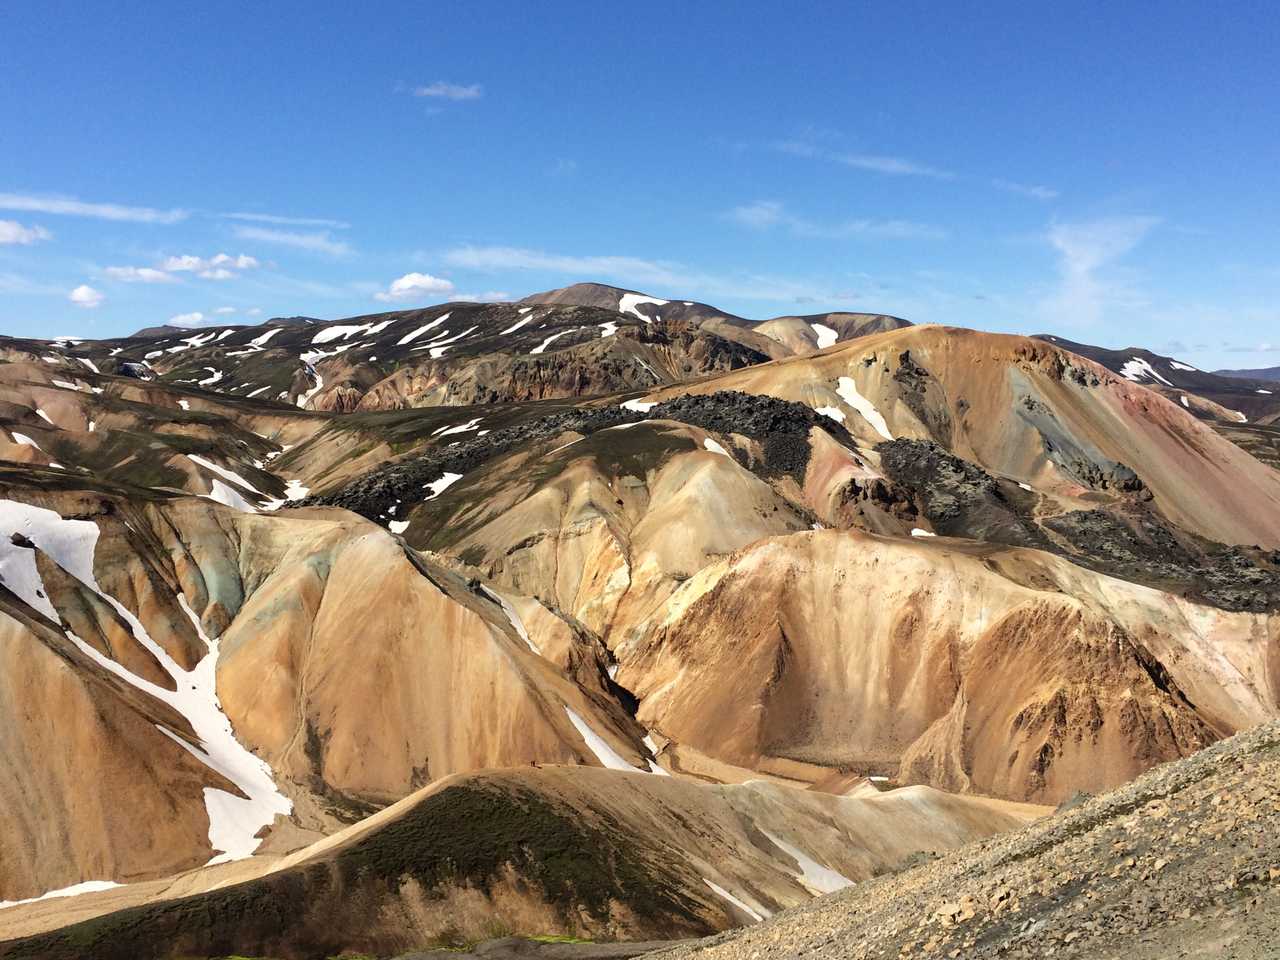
725 894
814 877
233 821
848 391
311 371
597 745
227 474
88 886
542 347
513 616
410 337
517 325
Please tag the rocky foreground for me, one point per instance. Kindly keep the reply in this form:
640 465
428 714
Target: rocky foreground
1183 862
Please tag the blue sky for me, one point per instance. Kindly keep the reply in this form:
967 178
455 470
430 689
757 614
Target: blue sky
1107 172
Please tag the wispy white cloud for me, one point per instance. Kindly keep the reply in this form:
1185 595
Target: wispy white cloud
85 296
450 91
11 231
286 221
221 266
1035 191
1085 251
317 242
764 214
224 311
69 206
193 319
413 286
874 162
139 275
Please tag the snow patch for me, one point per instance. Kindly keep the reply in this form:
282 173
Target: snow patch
398 526
1182 366
647 741
629 301
1186 403
1267 392
460 428
89 363
438 487
826 335
219 492
65 385
608 329
922 532
714 447
305 398
26 441
44 416
640 406
814 877
227 474
1137 370
848 392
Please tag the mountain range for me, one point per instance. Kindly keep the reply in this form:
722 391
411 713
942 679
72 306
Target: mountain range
595 615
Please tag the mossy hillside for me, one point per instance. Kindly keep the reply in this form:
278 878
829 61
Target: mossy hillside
469 835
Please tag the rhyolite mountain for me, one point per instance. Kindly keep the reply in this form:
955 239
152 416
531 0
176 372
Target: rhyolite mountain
596 615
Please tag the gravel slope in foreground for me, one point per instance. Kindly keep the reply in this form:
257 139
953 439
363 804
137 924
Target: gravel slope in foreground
1183 862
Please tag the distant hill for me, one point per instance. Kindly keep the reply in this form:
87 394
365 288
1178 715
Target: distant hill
1261 373
1247 399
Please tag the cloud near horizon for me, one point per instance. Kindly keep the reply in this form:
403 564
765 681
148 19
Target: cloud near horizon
87 297
413 286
